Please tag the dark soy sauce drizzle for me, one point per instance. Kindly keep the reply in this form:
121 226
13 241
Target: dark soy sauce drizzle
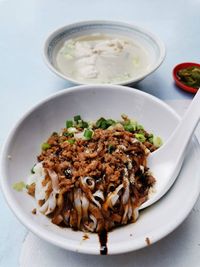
103 238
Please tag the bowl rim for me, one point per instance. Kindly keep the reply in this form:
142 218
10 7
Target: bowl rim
154 37
39 230
177 80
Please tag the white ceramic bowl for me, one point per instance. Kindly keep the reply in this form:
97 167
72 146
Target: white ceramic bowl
91 102
154 47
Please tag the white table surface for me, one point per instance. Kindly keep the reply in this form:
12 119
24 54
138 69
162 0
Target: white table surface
24 80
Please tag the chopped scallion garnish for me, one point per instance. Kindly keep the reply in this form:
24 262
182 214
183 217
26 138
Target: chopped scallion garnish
104 124
69 124
45 146
99 122
139 127
110 122
77 118
157 141
88 134
68 134
129 127
19 186
150 138
71 141
82 124
140 137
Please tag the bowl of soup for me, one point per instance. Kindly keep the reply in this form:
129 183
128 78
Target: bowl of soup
103 52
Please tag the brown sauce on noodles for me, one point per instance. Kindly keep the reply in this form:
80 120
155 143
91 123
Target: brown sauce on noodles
103 238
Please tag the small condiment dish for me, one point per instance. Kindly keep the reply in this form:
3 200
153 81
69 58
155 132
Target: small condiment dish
178 80
153 51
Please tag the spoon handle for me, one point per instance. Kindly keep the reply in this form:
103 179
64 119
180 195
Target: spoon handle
183 132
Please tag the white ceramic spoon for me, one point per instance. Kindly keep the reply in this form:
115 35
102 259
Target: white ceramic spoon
165 163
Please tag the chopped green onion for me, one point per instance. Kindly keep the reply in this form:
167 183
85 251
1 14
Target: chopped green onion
72 130
99 122
82 124
150 138
69 124
45 146
140 137
71 141
88 134
139 127
157 141
19 186
68 134
77 118
104 124
110 122
129 127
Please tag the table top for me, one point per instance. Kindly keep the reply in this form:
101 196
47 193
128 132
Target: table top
25 79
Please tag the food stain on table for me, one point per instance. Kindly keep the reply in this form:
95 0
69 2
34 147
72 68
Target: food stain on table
85 237
148 241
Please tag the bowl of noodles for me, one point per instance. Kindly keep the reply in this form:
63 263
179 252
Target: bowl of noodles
74 168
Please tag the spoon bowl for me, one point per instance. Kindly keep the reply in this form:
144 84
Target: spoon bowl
166 162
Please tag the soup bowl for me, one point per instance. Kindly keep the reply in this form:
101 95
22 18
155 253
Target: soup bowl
148 48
